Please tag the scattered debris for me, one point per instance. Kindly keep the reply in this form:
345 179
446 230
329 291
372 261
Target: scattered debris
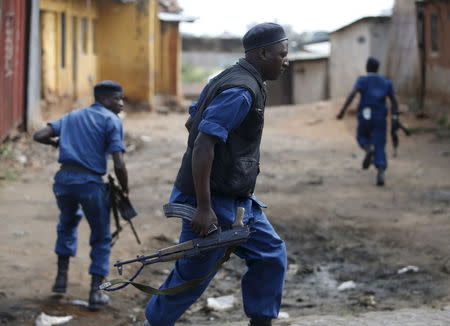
408 269
80 303
46 320
221 303
367 301
146 139
292 269
346 286
22 159
283 315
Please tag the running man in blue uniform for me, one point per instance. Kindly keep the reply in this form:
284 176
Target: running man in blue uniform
218 175
85 138
372 113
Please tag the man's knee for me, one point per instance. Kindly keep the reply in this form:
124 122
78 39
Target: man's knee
278 258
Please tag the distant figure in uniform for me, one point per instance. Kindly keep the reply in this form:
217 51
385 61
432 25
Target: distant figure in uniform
218 174
372 113
85 137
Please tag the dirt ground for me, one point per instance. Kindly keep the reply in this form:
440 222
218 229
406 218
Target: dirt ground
338 226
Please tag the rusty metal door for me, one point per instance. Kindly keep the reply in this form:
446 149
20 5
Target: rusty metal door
12 64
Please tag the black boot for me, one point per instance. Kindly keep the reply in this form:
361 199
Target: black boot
260 321
380 177
97 299
368 158
60 285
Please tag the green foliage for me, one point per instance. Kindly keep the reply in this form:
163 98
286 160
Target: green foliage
5 150
194 74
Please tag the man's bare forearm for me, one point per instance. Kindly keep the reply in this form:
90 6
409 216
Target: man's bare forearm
348 101
202 159
45 136
394 105
120 170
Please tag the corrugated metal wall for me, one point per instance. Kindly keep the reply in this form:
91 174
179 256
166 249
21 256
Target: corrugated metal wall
12 64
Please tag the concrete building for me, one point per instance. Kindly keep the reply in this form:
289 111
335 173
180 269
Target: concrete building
307 78
351 45
135 42
305 81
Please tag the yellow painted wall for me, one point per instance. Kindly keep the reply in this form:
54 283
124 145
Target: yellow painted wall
132 46
79 73
126 34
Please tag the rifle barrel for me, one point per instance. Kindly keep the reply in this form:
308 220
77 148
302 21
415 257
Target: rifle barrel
134 260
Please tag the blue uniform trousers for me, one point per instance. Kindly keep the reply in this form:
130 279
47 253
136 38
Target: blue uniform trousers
92 198
373 132
262 284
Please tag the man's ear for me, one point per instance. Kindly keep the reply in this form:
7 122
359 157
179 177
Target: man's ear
262 53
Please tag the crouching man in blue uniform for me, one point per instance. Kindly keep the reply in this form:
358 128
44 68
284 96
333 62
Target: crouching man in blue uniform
218 174
372 113
85 138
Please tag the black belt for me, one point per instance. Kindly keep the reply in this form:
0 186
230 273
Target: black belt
77 168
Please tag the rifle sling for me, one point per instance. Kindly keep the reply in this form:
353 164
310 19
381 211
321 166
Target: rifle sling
173 290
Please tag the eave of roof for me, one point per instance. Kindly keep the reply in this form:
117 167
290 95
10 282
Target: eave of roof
172 17
361 20
307 56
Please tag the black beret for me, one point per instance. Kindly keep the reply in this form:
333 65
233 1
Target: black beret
107 86
262 35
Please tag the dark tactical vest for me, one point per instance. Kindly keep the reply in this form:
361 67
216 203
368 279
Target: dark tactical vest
236 162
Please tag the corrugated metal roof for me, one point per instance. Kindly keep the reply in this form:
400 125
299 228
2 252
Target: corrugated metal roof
304 56
171 6
364 19
323 48
173 17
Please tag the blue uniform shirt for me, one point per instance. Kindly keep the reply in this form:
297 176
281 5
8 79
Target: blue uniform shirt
86 137
374 89
224 114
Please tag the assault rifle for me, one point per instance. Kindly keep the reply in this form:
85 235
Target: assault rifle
216 238
120 204
394 135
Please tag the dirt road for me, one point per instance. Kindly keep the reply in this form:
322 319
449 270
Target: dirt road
337 224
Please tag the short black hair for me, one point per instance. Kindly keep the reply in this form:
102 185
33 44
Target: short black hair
372 65
106 88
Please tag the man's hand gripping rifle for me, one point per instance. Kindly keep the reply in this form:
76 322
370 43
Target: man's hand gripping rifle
216 238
